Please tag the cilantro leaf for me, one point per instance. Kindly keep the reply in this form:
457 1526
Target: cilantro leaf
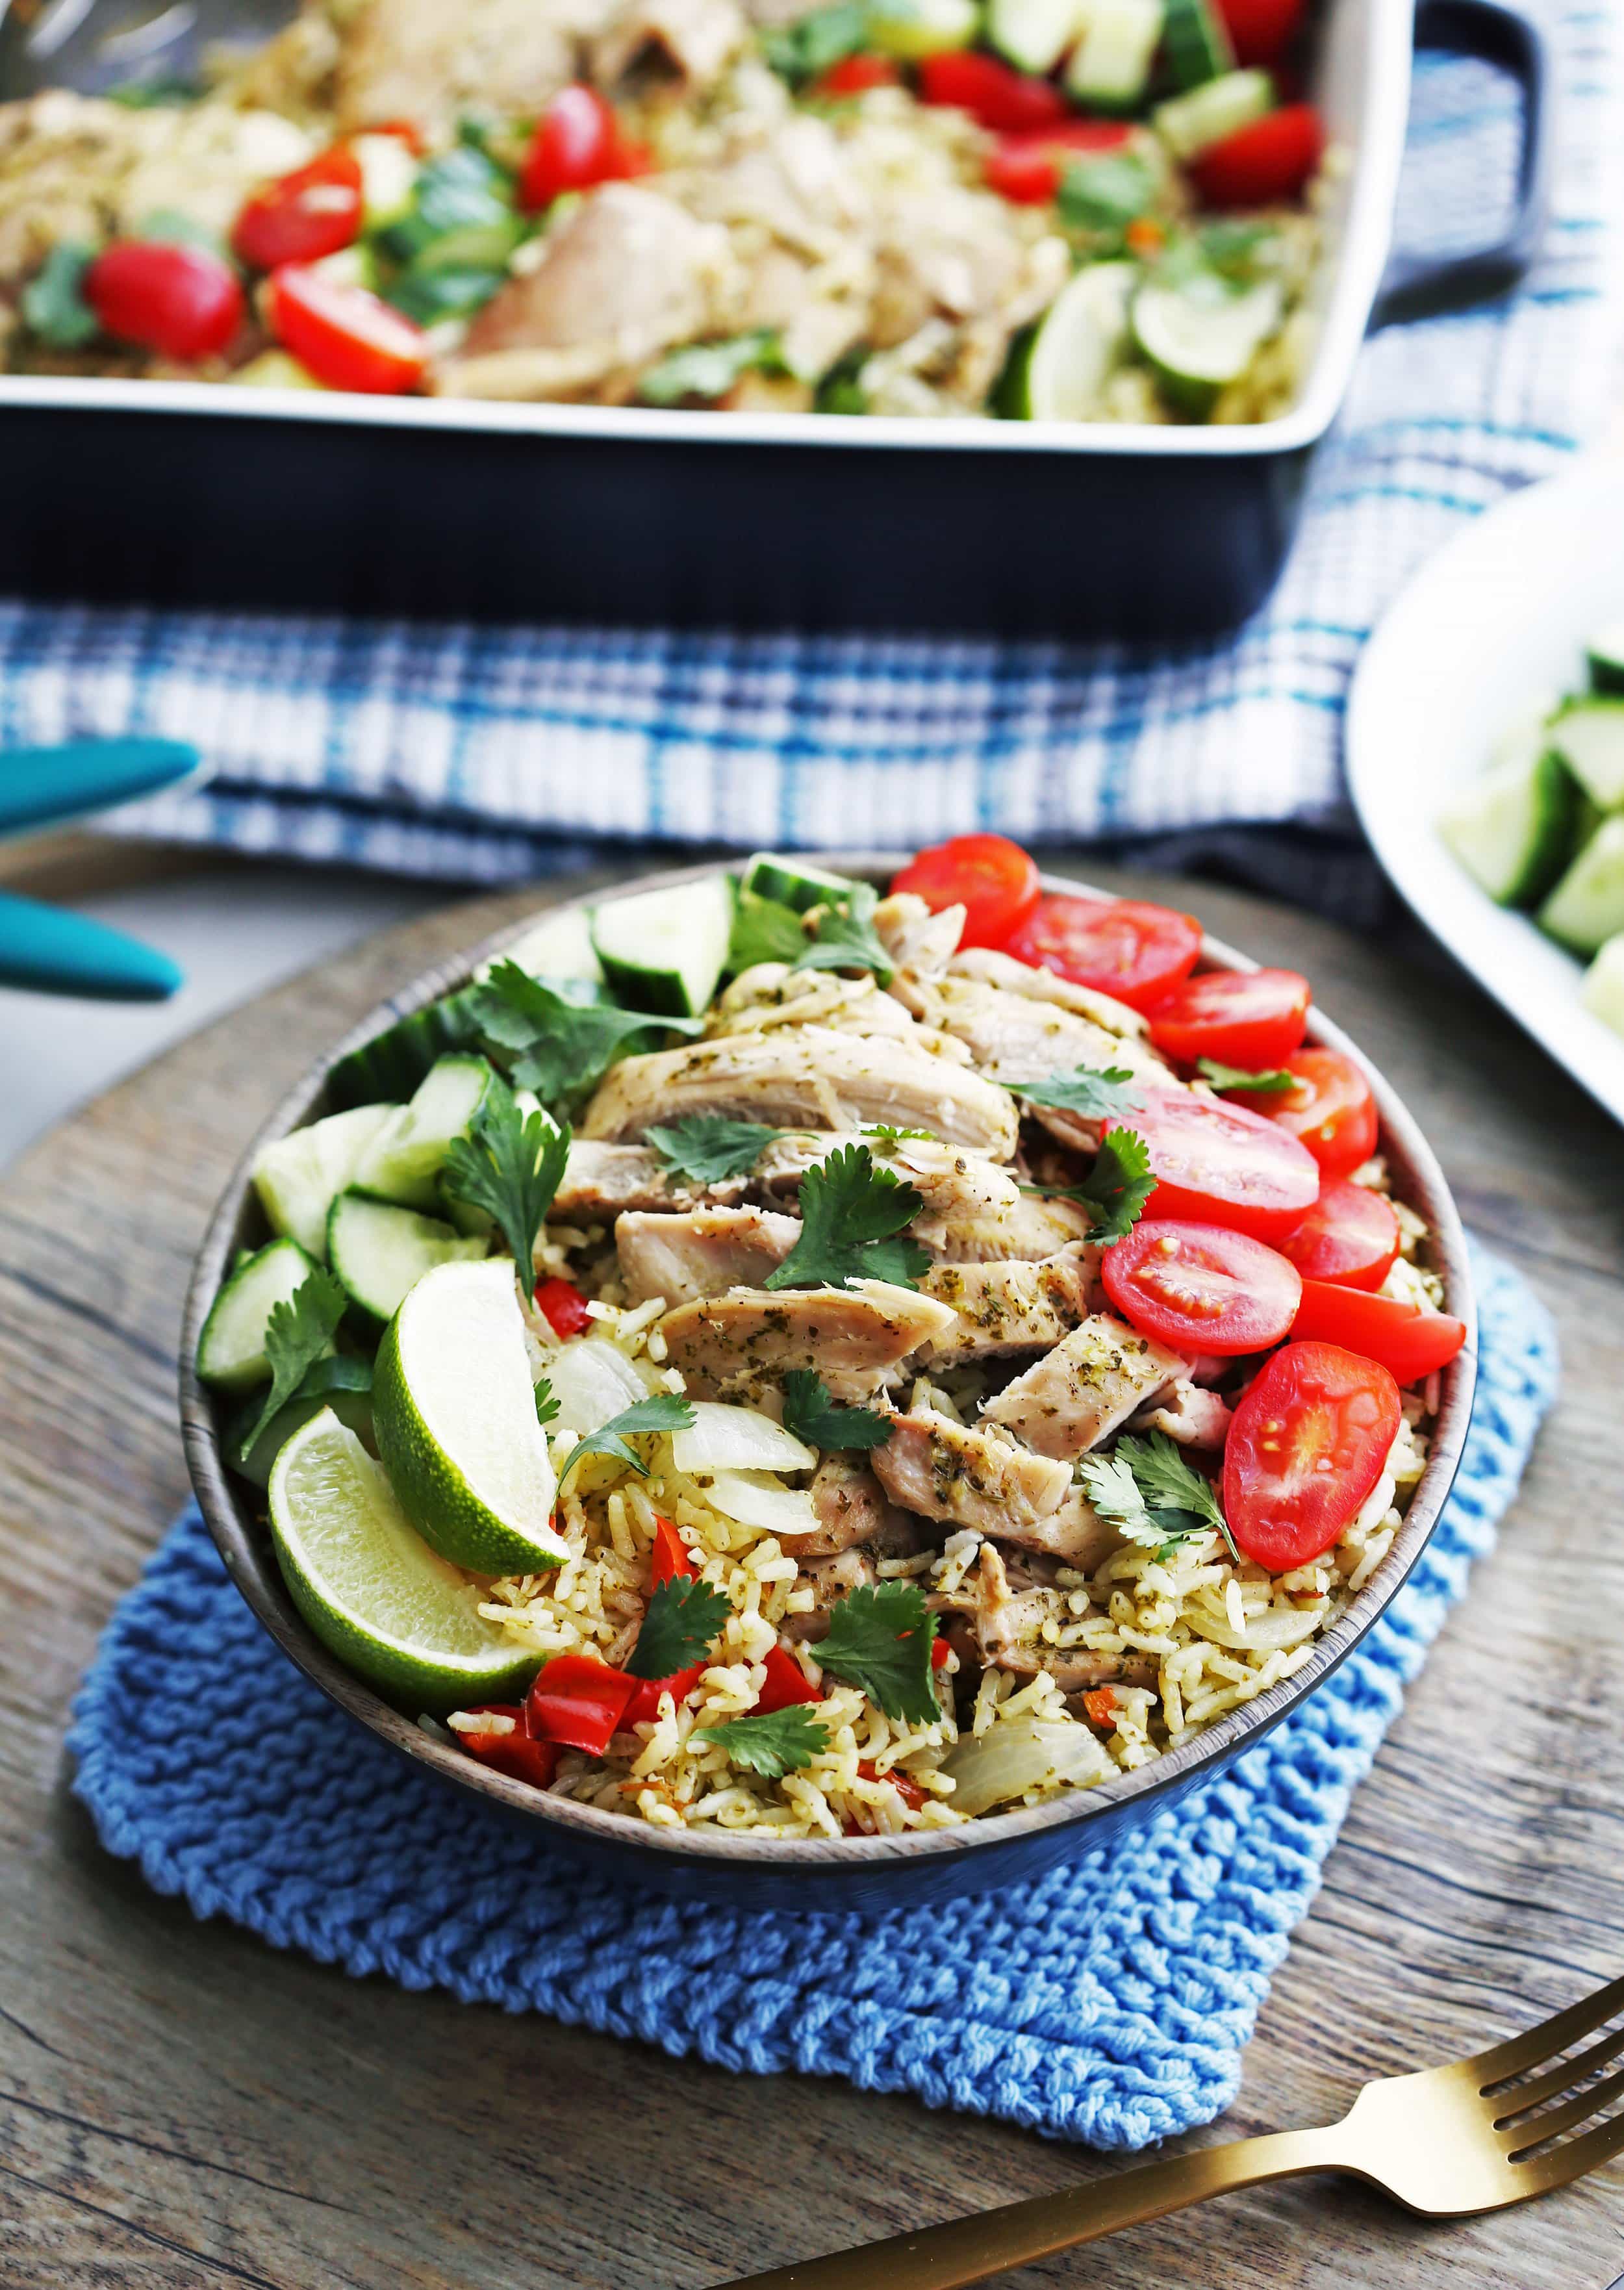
53 302
682 1617
1167 1480
547 1406
879 1640
764 930
1152 1495
665 1411
850 1212
846 938
886 1135
1118 1185
511 1168
805 51
1273 1081
1097 1094
1106 194
298 1332
707 1147
708 369
779 1742
562 1049
811 1414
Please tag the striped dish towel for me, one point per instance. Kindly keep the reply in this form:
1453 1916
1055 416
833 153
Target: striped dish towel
483 754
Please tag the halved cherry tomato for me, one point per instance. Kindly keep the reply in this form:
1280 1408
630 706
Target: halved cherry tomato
564 1307
1271 159
785 1682
348 339
1125 947
992 878
1304 1451
516 1753
1201 1288
576 143
179 299
1008 102
1217 1163
1408 1339
1258 29
1250 1018
1332 1109
1025 169
578 1702
1350 1236
299 218
855 76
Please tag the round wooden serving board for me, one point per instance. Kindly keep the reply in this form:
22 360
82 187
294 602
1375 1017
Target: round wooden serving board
182 2106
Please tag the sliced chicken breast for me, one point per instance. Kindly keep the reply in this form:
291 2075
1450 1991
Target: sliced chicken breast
1011 1306
1195 1418
702 1252
1015 1038
916 938
679 47
852 1511
1079 1393
1031 1229
952 1181
418 60
731 1346
996 1619
967 1476
771 994
986 964
600 1181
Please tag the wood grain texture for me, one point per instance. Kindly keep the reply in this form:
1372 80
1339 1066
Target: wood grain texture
181 2106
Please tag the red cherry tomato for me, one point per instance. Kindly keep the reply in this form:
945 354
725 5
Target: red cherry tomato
1350 1236
579 1702
992 878
1008 102
1025 169
1250 1018
513 1753
1408 1339
347 337
1258 29
1271 159
1201 1288
1217 1163
855 76
315 211
564 1307
785 1682
1332 1109
1123 946
178 300
576 143
1304 1451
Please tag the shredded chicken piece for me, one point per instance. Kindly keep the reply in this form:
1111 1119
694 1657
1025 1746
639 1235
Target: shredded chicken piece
703 1252
771 994
1195 1418
991 968
994 1622
853 1509
1029 1230
1015 1038
1012 1306
916 938
733 1346
1079 1393
601 1180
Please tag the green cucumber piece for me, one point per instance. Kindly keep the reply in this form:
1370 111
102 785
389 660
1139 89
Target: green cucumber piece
393 1063
1200 335
559 947
388 176
1587 907
1077 345
792 881
1514 829
1033 34
913 29
343 1383
379 1251
1604 657
298 1176
1602 991
1110 65
663 950
1589 735
405 1159
1190 123
231 1349
1197 43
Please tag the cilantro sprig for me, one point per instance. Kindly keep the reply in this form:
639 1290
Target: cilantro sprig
1271 1082
879 1640
709 369
1114 1190
511 1166
811 1416
562 1049
764 930
1097 1094
298 1332
777 1742
1152 1495
883 1133
845 938
851 1215
679 1624
805 50
664 1412
707 1147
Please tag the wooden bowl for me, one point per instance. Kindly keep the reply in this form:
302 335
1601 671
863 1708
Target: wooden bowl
814 1873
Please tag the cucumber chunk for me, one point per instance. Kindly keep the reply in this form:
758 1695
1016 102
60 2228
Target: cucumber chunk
1190 123
1077 346
1033 34
663 950
231 1349
913 29
405 1159
1589 735
1201 335
1514 829
343 1383
1602 991
559 947
1587 907
394 1062
1197 43
1110 65
297 1177
792 881
380 1252
1604 657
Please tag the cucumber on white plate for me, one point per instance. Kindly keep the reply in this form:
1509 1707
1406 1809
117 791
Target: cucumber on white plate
1197 43
1602 991
1514 829
1589 735
1111 64
1587 907
559 947
1604 658
792 881
1190 123
405 1159
231 1349
1077 345
1200 335
298 1177
1033 34
379 1251
663 950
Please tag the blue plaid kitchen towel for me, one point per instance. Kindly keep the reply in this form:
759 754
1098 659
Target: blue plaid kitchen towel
486 754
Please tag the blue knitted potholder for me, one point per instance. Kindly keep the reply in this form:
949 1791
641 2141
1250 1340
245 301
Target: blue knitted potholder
1108 2001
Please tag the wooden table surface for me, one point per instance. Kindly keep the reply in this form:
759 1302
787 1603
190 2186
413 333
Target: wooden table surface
180 2105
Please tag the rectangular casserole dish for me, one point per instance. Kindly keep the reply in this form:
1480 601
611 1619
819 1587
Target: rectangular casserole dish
175 492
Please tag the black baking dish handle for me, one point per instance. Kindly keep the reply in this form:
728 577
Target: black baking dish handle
1422 286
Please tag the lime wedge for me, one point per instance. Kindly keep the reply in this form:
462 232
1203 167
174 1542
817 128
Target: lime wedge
371 1589
455 1412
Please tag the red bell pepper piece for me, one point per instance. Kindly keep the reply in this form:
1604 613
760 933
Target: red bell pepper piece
579 1702
672 1559
1027 168
993 94
939 1651
855 76
785 1682
564 1307
906 1787
514 1753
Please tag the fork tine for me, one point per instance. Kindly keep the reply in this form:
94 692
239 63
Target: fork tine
1573 2158
1551 2036
1535 2128
1518 2098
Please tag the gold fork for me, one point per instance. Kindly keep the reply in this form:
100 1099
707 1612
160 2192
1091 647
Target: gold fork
1466 2136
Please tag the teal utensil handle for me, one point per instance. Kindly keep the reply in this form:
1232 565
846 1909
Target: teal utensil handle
51 951
39 785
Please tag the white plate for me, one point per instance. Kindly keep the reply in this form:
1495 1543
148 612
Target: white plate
1491 623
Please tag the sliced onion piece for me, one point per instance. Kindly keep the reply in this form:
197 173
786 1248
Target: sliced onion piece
738 1439
1265 1633
754 1499
591 1379
1018 1754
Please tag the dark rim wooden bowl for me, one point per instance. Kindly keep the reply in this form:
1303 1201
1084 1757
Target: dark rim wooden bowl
246 1549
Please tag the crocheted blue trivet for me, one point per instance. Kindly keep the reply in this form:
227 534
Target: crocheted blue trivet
1108 2001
